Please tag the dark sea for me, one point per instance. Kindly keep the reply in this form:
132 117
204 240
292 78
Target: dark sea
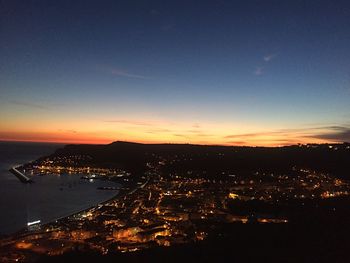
49 197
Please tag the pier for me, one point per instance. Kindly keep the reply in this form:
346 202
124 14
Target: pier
21 176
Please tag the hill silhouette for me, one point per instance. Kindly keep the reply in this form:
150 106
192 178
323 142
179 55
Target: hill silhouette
213 159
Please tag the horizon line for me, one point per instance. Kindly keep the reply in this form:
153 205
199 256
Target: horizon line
160 143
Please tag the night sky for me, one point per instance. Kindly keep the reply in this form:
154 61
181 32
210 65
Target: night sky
208 72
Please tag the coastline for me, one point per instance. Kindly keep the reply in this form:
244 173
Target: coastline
125 190
22 177
118 195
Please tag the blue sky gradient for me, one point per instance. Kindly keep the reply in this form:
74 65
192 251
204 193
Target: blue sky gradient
235 67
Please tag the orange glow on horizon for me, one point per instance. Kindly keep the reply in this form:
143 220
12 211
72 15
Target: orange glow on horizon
253 143
155 131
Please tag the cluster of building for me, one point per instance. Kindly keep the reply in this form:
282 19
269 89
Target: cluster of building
72 164
274 188
165 209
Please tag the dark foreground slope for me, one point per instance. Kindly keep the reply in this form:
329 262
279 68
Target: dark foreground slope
243 243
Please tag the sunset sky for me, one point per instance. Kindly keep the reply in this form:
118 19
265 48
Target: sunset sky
206 72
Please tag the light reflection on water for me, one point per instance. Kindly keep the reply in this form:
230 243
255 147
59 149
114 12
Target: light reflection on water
50 197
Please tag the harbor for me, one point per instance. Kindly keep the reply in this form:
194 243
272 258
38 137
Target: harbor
21 176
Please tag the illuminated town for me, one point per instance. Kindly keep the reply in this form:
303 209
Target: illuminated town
162 208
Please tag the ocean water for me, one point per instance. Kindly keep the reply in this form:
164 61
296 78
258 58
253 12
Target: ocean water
50 197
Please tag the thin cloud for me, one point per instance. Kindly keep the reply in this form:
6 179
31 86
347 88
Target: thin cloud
259 71
141 123
237 142
331 133
194 131
152 125
67 131
119 72
29 104
245 135
123 73
269 57
339 134
180 135
158 130
198 133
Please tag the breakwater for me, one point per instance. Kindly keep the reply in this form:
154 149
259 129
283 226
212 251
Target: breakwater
21 176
